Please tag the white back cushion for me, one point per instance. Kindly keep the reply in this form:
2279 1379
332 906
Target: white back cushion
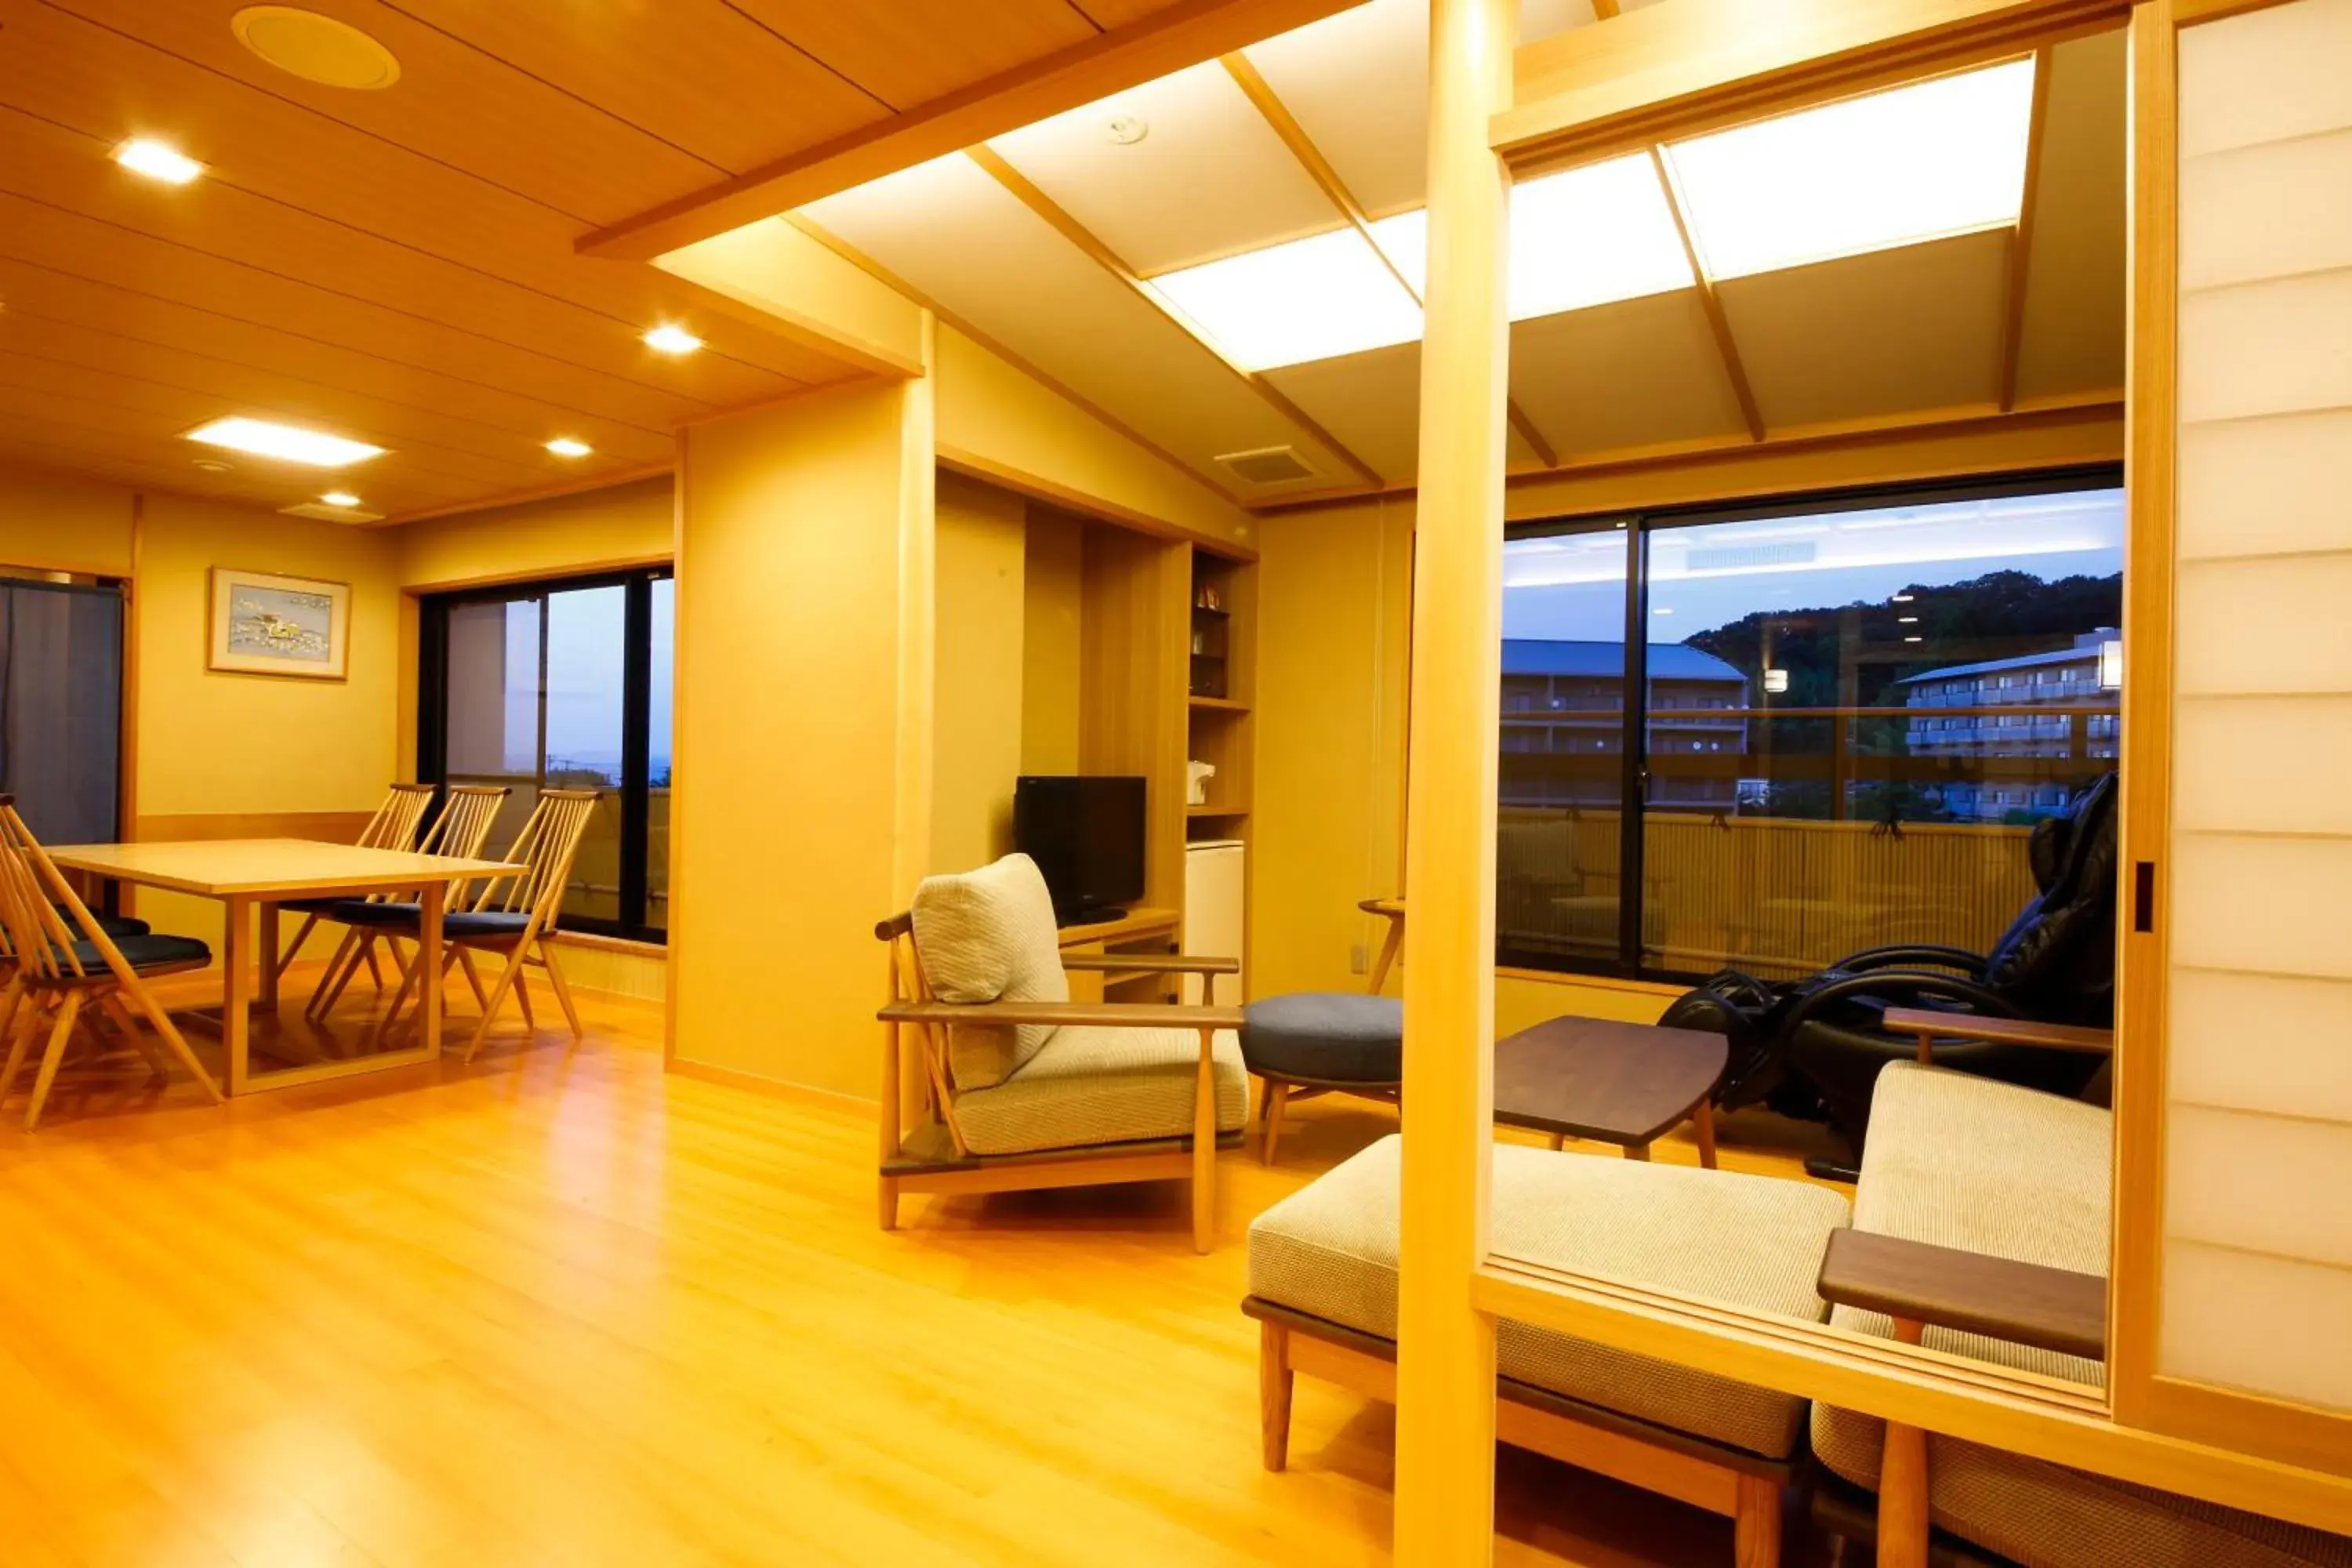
989 936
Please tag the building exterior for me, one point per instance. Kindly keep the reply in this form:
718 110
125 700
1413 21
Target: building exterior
1563 722
2085 675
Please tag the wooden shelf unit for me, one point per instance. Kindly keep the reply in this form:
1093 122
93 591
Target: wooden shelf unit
1223 670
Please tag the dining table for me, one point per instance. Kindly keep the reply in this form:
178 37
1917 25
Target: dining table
253 877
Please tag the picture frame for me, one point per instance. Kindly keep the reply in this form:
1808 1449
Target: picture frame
264 623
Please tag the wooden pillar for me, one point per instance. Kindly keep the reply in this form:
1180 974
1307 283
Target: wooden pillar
1445 1369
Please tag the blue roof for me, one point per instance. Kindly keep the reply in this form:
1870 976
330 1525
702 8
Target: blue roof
2022 661
1667 662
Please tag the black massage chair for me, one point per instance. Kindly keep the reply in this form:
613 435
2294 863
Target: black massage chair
1817 1045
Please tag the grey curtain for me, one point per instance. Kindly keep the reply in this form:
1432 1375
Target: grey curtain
61 708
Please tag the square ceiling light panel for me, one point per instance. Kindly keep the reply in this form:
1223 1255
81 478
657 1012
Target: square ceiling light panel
1589 237
1287 304
1937 158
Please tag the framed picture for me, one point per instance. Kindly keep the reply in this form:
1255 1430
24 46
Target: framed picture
266 625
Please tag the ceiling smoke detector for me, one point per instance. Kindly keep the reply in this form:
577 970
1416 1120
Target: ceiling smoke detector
1127 129
1267 466
316 48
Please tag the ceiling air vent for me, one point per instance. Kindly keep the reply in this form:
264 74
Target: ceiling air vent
325 514
1267 466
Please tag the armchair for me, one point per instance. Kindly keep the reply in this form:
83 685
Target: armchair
1020 1088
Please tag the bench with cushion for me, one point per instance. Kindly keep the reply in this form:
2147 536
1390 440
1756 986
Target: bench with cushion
1323 1286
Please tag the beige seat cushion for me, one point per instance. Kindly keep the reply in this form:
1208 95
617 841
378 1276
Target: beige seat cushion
1964 1161
989 936
1330 1250
1093 1085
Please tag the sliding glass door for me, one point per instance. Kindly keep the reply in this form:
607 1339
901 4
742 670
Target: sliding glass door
563 686
1854 710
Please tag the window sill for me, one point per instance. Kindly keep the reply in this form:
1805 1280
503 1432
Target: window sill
612 943
1591 982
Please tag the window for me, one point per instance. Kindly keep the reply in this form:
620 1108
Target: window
563 685
1774 825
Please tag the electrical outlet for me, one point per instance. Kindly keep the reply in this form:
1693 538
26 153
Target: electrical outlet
1359 959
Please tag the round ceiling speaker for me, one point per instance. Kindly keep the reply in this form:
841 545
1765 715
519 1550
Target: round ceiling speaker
314 47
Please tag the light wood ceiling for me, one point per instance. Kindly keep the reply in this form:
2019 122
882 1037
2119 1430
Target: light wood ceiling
400 265
1035 243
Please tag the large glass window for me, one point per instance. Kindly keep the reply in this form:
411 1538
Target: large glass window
1852 713
563 686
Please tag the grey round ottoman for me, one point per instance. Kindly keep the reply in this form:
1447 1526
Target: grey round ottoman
1322 1042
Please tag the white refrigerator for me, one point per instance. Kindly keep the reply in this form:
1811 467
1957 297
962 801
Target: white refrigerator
1213 913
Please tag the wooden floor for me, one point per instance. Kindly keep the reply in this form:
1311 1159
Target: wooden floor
563 1309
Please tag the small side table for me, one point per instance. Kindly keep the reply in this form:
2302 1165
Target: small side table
1627 1084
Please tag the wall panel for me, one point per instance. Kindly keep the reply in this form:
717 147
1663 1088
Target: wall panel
2258 1197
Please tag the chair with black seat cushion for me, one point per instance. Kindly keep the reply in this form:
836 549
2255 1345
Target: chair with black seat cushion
64 963
1328 1042
459 832
515 913
394 826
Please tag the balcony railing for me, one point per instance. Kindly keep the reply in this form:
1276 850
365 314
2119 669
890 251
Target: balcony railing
1735 877
1773 896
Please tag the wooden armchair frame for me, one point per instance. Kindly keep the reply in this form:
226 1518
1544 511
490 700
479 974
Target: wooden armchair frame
933 1156
1920 1285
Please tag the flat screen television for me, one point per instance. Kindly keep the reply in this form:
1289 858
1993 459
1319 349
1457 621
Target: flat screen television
1087 836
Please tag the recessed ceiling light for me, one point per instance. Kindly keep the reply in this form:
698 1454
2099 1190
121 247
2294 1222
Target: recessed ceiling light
670 340
566 447
1937 158
1126 129
314 47
266 439
340 497
1307 299
1589 237
145 155
1911 640
214 464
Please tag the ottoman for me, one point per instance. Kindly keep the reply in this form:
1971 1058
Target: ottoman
1322 1042
1323 1287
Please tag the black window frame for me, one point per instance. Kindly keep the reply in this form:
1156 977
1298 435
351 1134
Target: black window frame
1639 527
635 792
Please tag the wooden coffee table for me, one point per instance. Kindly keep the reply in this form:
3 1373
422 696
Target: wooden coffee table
1627 1084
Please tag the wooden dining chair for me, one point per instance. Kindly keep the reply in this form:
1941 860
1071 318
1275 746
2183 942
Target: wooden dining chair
394 826
63 963
520 921
459 832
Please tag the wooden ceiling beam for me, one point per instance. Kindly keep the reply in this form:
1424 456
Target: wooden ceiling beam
1059 218
1169 40
948 317
1293 135
1665 72
1717 323
2063 411
2020 240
